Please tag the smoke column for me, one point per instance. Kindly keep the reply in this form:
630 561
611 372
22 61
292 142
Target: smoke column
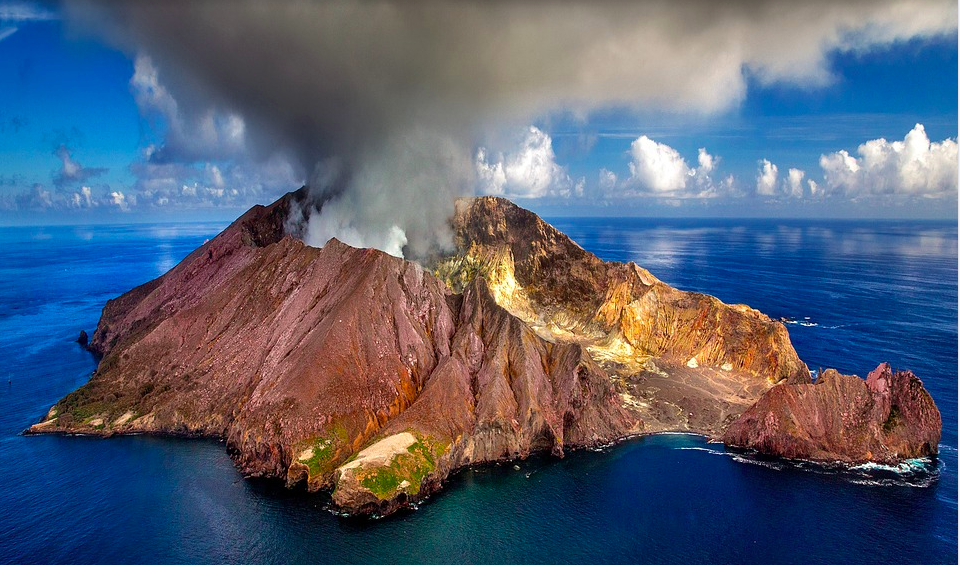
381 104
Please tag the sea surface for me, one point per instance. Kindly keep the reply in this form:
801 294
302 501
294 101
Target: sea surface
854 294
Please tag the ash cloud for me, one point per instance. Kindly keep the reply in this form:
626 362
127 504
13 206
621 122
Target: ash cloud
381 104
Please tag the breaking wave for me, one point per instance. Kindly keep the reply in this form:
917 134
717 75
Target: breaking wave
808 323
919 472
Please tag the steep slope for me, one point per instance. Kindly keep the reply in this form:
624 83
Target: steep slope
684 361
887 417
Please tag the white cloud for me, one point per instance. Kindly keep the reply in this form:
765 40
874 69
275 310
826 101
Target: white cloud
147 90
191 135
608 180
72 172
119 200
529 172
912 167
766 178
793 184
37 198
656 166
706 160
83 198
703 176
175 184
578 188
491 177
658 169
214 176
769 183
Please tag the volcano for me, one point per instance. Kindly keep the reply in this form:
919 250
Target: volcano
354 371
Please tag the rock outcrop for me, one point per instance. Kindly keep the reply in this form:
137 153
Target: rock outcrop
352 370
83 339
683 361
886 418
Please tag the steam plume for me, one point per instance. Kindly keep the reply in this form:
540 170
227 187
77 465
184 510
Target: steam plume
381 103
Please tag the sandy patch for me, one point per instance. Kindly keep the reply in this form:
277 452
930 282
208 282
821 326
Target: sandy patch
677 397
144 422
127 416
382 452
95 422
305 454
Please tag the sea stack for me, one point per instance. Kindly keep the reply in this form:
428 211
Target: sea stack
358 372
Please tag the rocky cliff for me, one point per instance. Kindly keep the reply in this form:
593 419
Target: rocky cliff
886 418
352 370
682 361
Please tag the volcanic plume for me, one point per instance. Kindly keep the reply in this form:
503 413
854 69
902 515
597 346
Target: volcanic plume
380 105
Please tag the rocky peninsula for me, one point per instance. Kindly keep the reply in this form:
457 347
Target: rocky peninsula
354 371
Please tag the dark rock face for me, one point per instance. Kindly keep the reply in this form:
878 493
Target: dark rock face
354 370
83 339
885 418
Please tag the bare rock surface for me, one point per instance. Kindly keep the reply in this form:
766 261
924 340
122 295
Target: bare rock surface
352 370
681 361
886 418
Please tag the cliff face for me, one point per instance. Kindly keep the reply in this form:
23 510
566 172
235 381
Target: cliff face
350 369
886 418
682 361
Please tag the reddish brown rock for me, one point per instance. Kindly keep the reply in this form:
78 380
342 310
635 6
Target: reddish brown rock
354 370
886 418
302 357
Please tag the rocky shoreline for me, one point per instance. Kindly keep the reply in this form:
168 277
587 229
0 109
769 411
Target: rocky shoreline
353 371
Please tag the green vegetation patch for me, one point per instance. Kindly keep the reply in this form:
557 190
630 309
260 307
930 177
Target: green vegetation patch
108 400
318 453
83 404
410 468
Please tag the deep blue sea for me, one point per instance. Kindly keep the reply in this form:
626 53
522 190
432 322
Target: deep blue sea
859 293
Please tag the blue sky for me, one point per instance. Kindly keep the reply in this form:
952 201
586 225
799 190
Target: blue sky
74 136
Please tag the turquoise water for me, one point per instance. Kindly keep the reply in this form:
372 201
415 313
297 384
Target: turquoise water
859 293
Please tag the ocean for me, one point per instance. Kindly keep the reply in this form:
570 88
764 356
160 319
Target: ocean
853 294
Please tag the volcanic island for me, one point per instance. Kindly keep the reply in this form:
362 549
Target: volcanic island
356 372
